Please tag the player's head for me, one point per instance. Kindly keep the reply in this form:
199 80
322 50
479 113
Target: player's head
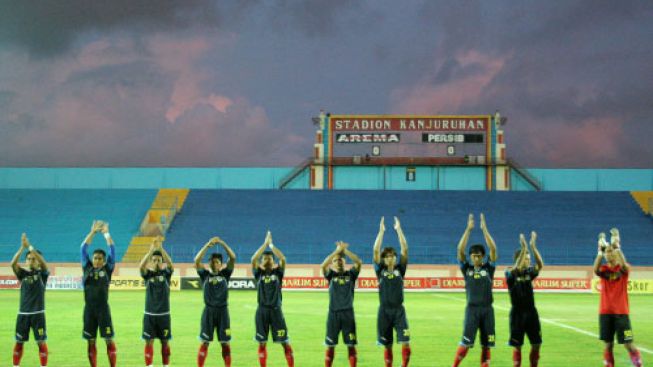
389 256
30 260
215 262
267 259
338 261
156 259
527 259
99 258
610 255
477 254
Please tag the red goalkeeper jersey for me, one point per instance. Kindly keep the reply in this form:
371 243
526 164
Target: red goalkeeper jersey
614 290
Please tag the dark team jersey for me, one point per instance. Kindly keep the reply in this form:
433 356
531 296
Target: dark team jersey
32 290
215 286
157 291
520 286
268 284
478 283
341 289
96 281
391 284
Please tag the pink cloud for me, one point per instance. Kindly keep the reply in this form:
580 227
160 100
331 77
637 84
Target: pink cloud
592 142
426 98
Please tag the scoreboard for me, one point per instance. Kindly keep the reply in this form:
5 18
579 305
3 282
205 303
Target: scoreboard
445 138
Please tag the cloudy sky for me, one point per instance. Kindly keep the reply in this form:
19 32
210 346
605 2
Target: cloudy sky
235 83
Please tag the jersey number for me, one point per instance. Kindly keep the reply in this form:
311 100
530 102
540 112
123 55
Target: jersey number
165 332
281 333
40 330
352 336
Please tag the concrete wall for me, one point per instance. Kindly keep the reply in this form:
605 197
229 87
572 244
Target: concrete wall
346 177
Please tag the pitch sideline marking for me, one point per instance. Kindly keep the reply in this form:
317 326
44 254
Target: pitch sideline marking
548 321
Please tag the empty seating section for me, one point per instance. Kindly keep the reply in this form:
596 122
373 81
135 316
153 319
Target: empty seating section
306 224
57 221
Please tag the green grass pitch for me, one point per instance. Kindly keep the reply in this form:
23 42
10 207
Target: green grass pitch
435 321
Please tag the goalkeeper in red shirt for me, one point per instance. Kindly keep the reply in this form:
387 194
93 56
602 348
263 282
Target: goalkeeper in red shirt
614 310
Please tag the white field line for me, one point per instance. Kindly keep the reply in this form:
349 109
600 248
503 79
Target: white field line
549 321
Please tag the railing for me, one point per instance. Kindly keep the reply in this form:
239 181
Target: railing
159 216
525 174
295 172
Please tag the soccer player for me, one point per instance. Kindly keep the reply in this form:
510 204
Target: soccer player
478 274
614 309
156 320
31 314
215 316
392 314
524 318
268 278
341 302
96 279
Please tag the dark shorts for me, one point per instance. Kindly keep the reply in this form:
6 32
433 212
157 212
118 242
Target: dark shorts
215 319
341 321
615 324
478 318
524 322
156 327
97 318
388 319
267 317
36 322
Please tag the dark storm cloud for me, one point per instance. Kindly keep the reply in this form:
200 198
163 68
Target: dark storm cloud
567 66
50 27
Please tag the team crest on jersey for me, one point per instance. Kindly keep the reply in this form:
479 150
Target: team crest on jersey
160 278
525 278
343 280
101 273
391 275
215 280
470 273
270 278
483 273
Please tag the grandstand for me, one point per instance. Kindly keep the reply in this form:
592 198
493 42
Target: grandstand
306 223
57 220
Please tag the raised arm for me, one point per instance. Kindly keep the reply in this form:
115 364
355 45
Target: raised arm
232 255
146 258
329 258
358 263
539 263
23 246
489 240
519 263
111 258
200 254
95 228
599 255
279 255
402 241
39 258
257 255
165 255
615 241
378 242
462 244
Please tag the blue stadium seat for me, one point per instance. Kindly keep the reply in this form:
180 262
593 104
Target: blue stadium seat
305 224
57 221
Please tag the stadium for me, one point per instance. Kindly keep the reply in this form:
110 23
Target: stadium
431 177
326 183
